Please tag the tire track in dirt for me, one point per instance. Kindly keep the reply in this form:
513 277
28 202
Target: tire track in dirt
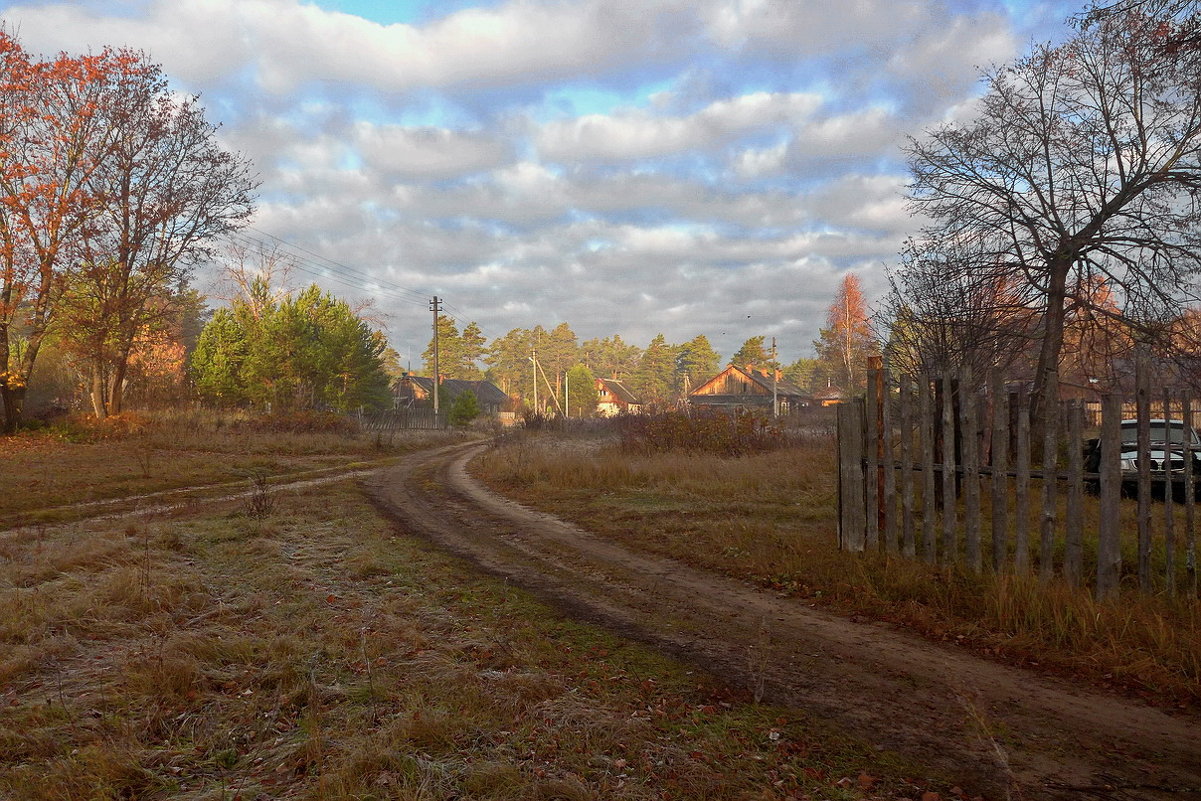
996 729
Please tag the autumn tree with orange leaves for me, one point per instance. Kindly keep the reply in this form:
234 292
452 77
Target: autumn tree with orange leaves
847 341
109 188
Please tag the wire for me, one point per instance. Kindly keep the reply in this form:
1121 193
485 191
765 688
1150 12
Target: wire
332 270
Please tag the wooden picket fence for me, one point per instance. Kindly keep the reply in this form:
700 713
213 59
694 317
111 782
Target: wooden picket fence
951 477
393 420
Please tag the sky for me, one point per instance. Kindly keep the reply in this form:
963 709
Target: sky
629 167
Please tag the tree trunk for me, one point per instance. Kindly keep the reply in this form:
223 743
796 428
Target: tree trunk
1045 392
116 395
14 403
97 392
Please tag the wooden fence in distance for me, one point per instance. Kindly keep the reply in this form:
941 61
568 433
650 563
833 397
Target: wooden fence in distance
394 420
952 477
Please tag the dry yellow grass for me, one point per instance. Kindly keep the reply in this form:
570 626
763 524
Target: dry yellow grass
771 519
315 653
45 470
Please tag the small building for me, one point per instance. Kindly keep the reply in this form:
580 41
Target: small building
748 389
614 397
417 391
830 396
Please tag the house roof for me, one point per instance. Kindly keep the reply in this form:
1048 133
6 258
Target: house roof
486 392
619 391
829 393
760 378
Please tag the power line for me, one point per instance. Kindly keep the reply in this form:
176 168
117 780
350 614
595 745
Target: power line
330 269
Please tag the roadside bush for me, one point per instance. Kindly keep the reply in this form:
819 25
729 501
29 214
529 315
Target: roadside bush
300 423
736 434
85 428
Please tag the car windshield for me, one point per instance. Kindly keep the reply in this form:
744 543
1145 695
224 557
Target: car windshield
1175 431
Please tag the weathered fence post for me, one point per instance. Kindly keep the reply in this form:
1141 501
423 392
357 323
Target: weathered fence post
852 511
1073 557
890 471
1046 549
872 485
1109 551
1190 498
1000 470
971 469
1142 401
1169 489
908 544
929 504
1021 492
950 517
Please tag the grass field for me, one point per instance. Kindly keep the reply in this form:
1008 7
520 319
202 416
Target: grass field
133 456
770 518
312 651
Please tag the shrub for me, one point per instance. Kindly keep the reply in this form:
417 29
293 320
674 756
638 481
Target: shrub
465 409
735 434
300 423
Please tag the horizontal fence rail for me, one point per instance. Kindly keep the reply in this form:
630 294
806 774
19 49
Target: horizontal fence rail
948 469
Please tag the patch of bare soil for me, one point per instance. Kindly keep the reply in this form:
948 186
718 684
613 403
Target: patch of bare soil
998 730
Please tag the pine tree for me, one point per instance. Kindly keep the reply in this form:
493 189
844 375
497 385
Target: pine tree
696 362
653 380
751 353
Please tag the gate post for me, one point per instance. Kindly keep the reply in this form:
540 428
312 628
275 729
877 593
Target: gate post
852 490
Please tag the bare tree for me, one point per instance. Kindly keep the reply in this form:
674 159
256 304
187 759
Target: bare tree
945 311
163 192
1083 164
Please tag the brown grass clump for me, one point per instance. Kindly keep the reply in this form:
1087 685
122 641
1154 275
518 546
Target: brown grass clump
771 518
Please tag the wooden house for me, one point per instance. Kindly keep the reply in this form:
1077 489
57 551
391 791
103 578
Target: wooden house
417 391
747 389
614 397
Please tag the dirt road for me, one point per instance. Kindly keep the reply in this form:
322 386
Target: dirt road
1000 731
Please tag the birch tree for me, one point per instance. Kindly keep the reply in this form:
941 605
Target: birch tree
847 341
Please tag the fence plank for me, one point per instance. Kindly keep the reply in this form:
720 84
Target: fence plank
1169 489
1050 449
1190 500
1021 490
971 469
852 523
950 516
1109 552
908 546
1142 400
890 473
929 504
1000 469
1073 558
872 485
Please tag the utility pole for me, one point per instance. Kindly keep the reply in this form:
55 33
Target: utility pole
775 395
534 359
435 307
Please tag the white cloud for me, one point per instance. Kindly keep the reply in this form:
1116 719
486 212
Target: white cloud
637 134
426 152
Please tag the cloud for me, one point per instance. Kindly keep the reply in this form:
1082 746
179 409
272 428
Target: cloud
640 134
737 157
426 152
287 44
